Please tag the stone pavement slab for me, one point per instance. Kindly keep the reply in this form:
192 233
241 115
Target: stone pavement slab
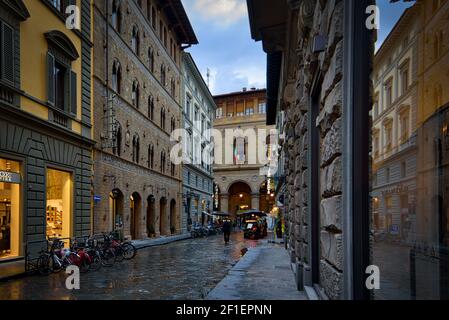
264 273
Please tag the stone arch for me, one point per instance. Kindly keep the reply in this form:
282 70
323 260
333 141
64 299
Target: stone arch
116 210
173 217
239 193
228 188
151 216
135 210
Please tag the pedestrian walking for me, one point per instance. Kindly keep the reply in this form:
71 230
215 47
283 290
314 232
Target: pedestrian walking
226 230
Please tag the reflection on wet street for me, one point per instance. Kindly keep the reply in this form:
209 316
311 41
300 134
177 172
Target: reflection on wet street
187 269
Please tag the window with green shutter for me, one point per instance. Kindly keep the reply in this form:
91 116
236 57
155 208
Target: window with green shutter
62 81
7 53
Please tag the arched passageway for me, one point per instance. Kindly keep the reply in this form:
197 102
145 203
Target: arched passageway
116 210
135 208
173 219
151 216
239 198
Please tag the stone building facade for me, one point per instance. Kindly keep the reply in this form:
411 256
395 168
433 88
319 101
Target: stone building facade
198 114
46 139
411 221
311 70
394 130
241 185
137 84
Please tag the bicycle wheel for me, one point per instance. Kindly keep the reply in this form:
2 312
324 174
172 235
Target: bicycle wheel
130 251
119 254
95 260
43 264
107 258
84 262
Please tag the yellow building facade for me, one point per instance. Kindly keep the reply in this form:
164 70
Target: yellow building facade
45 125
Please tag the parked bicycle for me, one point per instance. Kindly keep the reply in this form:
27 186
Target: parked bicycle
56 258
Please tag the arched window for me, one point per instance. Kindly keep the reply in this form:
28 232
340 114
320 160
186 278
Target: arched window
163 75
163 119
163 163
117 148
172 124
151 156
172 169
151 59
151 107
173 87
116 76
149 10
135 94
135 40
116 16
136 148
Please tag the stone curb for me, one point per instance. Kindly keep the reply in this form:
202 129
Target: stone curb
225 290
142 244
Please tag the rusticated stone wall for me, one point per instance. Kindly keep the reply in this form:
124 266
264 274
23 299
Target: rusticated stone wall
317 18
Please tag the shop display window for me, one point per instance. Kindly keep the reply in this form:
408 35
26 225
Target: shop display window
59 204
9 208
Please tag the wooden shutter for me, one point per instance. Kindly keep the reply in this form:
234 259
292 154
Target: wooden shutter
73 93
7 54
240 107
50 79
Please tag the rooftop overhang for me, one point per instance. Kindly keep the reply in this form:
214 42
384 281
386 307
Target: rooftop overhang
274 65
268 23
179 21
268 20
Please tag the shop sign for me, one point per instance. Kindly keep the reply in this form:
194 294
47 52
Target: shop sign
395 229
97 199
9 177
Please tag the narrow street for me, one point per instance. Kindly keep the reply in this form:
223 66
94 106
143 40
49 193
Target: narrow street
186 269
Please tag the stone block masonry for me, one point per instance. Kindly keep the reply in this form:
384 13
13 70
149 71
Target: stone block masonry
321 70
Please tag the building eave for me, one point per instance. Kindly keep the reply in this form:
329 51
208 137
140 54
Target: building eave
190 63
179 21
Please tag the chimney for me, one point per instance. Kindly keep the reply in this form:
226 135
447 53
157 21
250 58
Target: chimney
244 89
253 89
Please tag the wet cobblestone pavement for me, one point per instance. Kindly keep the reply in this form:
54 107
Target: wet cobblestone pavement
186 269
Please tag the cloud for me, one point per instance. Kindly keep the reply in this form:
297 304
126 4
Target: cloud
222 12
254 76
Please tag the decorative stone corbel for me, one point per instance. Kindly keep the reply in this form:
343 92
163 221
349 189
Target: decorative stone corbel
306 13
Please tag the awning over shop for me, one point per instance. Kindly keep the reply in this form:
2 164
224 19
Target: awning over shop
252 212
220 214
